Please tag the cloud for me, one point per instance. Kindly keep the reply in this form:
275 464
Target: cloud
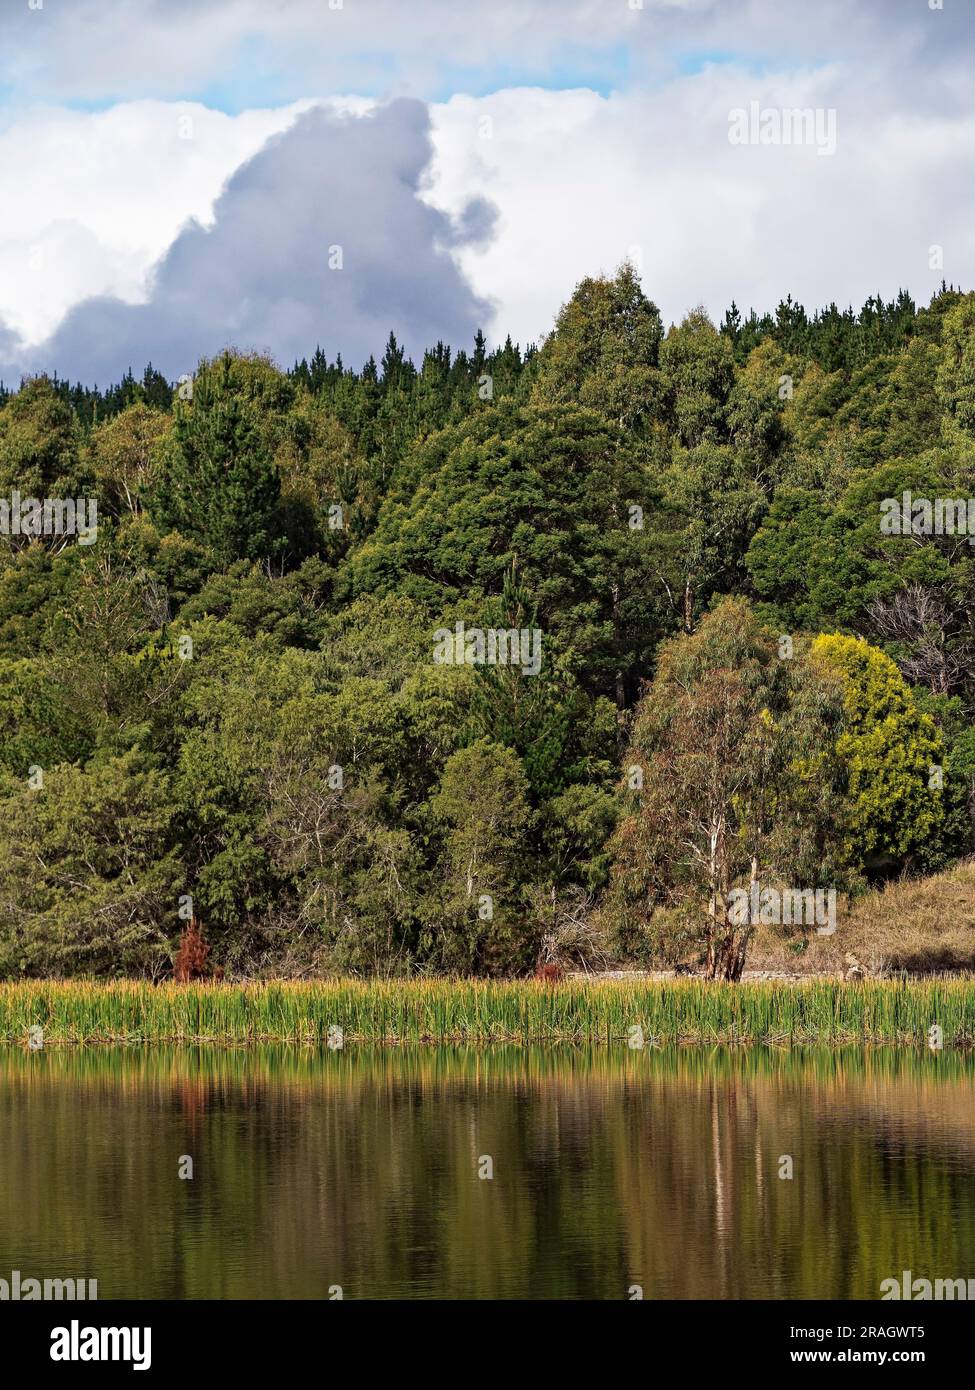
94 199
8 347
110 50
620 150
582 181
319 238
107 50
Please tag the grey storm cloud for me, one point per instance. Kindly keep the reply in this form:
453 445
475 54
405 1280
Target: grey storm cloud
8 346
320 238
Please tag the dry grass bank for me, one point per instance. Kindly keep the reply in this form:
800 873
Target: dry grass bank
921 926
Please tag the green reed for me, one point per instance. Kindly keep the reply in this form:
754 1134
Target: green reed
479 1011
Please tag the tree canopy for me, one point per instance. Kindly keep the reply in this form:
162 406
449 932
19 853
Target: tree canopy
507 654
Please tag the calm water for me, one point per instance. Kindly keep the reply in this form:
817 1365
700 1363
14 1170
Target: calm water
610 1169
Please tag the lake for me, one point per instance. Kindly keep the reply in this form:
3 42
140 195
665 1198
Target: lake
503 1173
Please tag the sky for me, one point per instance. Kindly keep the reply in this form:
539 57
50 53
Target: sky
177 176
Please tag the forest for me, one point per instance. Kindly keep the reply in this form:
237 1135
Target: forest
230 704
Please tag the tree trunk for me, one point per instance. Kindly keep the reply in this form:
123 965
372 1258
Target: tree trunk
714 875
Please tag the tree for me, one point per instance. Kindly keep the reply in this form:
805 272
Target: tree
756 408
552 492
325 499
604 352
720 506
89 874
957 777
217 481
109 669
698 371
478 920
890 750
824 565
39 438
293 607
730 778
124 451
956 377
190 961
927 635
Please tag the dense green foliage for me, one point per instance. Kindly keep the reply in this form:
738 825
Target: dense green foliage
237 701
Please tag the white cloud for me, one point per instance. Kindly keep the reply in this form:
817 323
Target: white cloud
107 49
92 200
582 181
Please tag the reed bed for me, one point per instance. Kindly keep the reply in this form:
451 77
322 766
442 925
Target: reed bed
484 1012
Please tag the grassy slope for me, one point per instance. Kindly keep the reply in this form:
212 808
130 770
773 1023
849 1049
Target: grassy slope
918 925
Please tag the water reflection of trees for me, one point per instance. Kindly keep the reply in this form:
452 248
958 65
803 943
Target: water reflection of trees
360 1169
